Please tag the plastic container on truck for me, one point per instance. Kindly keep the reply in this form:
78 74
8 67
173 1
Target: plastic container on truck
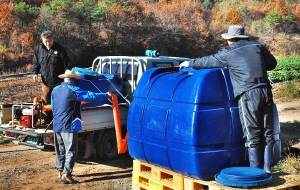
95 82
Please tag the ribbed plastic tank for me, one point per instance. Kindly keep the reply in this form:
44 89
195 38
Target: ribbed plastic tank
95 82
187 121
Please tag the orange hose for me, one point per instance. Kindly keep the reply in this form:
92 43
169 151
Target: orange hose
48 107
122 144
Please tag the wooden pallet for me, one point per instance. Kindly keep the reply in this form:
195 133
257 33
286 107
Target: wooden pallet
279 181
137 187
143 183
157 176
146 176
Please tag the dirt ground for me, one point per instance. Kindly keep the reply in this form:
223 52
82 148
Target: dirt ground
289 111
27 168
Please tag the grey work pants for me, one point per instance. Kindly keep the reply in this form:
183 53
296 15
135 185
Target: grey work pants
256 115
66 149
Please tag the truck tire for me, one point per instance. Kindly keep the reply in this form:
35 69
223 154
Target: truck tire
107 148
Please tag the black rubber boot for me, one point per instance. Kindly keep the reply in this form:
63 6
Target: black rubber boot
255 157
268 158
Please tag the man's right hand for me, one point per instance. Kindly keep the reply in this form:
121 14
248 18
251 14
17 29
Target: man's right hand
109 94
35 78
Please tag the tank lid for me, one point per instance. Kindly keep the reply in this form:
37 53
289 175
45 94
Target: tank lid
243 177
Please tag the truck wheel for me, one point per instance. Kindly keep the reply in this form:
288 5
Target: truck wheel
107 148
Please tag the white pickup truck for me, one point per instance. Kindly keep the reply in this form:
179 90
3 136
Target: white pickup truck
22 122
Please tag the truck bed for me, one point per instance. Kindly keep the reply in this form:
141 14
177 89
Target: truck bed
92 119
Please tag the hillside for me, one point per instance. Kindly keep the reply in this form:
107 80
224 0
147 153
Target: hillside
189 28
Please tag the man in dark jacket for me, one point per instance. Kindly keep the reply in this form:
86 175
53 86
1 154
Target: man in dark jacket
51 58
66 107
248 63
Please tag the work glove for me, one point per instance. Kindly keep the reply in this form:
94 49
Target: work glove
184 64
109 94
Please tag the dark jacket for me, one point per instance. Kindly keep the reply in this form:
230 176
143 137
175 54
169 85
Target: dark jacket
52 63
247 61
66 105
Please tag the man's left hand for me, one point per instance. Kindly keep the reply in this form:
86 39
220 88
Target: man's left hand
184 64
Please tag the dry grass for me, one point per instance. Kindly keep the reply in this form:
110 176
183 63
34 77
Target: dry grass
290 164
285 91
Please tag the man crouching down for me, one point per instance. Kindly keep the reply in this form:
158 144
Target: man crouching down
66 107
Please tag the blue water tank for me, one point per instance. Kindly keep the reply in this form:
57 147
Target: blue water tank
95 82
187 121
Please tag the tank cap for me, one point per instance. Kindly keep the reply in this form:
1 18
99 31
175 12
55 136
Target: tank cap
243 177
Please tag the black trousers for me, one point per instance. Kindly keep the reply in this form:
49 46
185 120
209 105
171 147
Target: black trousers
256 115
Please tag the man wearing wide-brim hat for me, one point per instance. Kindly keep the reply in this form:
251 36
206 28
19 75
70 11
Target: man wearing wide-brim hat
248 63
66 107
69 74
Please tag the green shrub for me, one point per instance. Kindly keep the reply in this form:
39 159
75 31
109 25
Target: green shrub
288 63
288 68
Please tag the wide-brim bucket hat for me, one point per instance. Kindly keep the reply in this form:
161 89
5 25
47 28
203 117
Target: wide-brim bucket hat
235 32
69 74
